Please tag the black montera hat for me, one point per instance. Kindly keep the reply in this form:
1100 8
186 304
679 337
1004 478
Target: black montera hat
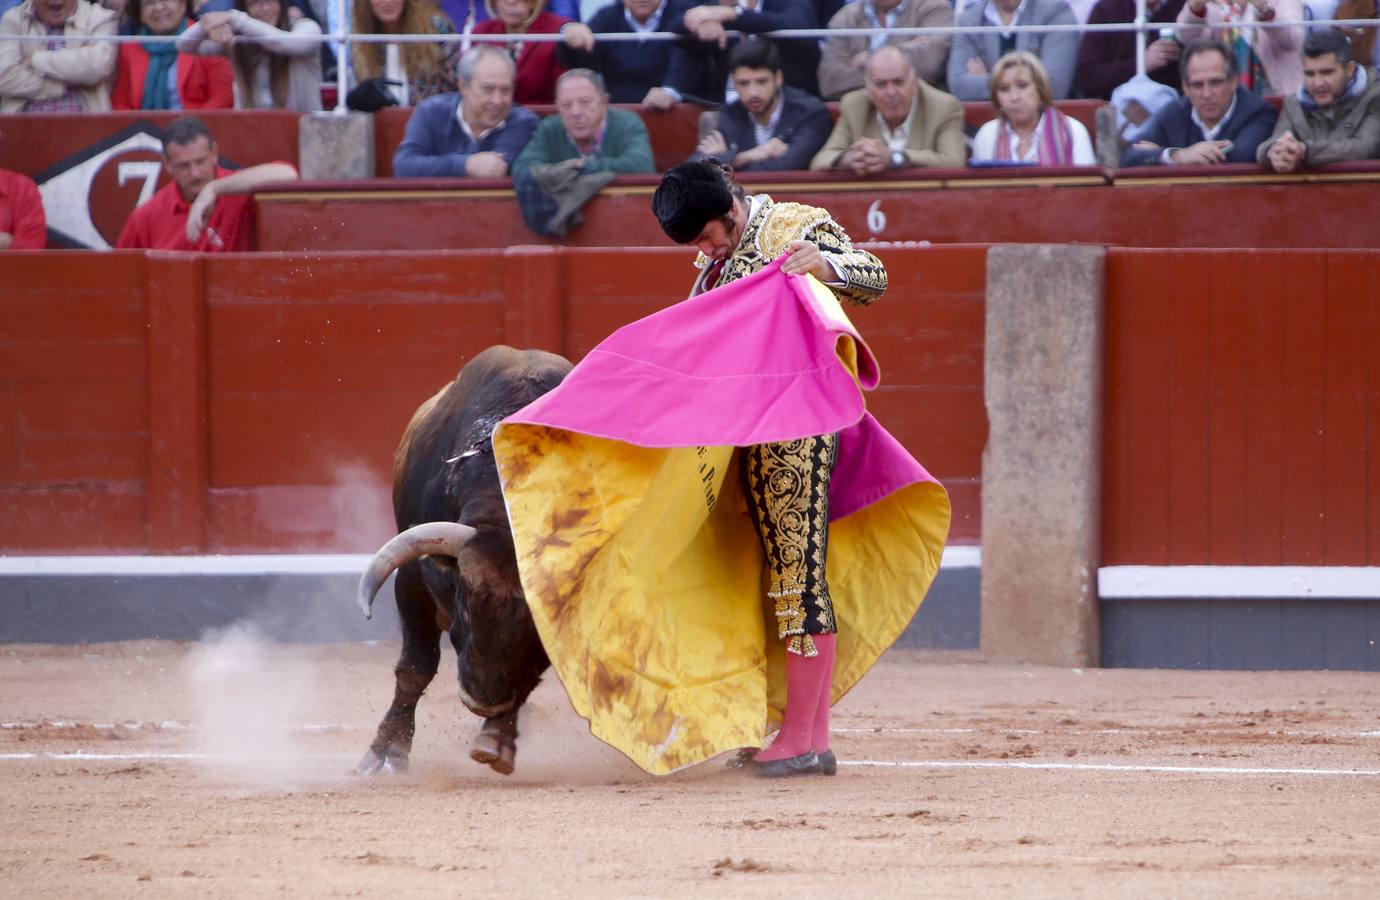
690 196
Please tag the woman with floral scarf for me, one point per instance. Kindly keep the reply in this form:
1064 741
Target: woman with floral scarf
1028 130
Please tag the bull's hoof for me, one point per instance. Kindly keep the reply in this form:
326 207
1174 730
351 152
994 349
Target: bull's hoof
392 761
495 751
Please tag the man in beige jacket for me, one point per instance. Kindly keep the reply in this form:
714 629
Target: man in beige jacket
65 73
842 59
895 122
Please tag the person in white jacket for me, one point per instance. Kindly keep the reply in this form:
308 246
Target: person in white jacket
271 71
65 74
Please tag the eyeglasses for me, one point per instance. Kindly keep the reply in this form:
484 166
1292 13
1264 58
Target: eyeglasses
150 4
1210 84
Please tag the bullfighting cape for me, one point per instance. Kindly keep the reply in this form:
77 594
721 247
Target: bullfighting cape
640 564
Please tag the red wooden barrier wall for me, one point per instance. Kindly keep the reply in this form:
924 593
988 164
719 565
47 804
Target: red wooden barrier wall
1242 397
251 403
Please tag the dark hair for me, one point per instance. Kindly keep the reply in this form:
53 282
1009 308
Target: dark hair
693 194
184 130
1320 43
133 14
1206 45
754 53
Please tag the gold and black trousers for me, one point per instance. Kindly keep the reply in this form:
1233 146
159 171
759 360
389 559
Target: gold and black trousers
787 489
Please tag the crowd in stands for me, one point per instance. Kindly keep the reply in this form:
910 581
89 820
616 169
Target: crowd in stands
898 98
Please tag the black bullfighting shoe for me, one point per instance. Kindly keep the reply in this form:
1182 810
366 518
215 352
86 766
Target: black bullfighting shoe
806 763
828 763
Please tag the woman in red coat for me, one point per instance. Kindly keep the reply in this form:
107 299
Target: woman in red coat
155 76
537 69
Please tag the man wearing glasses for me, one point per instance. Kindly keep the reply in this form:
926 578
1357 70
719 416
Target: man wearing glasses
1216 121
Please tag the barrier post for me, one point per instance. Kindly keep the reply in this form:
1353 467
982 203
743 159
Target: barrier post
175 294
1042 468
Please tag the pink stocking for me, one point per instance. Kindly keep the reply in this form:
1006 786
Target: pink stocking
805 677
820 730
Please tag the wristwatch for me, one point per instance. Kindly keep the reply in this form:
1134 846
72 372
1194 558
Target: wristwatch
899 159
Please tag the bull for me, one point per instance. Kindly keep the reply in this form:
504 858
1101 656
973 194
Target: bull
457 569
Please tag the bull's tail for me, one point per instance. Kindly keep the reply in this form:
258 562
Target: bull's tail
427 539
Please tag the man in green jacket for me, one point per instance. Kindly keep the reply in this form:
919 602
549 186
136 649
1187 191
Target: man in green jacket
587 131
1335 115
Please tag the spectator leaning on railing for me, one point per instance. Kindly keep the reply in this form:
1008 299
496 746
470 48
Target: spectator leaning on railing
709 24
587 133
771 126
270 73
1107 59
1267 59
1335 116
653 73
477 131
1217 121
1028 129
417 70
204 207
843 57
537 67
64 75
896 121
156 76
973 54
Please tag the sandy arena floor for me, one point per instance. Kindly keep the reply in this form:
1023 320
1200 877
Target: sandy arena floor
172 770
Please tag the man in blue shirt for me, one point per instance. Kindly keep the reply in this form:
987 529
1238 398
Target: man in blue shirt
476 132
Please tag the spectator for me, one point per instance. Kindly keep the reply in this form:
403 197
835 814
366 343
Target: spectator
586 130
973 54
22 224
1028 129
157 76
205 207
1217 121
841 66
270 73
771 126
1107 59
1362 39
1266 58
466 14
476 132
894 122
653 73
66 74
537 69
710 22
420 70
1335 115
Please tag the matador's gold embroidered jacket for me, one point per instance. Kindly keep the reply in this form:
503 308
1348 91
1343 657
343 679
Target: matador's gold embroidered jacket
774 225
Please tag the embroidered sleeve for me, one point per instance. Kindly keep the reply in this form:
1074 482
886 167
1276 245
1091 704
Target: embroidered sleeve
864 274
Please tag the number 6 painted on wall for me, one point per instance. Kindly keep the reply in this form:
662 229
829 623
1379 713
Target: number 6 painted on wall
876 219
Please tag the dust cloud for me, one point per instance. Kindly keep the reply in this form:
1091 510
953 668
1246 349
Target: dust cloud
250 704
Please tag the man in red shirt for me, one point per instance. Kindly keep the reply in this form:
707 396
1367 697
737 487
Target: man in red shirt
205 207
22 223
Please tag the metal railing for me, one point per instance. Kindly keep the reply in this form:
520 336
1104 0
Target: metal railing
342 38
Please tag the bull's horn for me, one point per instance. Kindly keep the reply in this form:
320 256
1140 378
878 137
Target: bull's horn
427 539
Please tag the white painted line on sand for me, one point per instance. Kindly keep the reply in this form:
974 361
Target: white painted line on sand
863 763
1099 767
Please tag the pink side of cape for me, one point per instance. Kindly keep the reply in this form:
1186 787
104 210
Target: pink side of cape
748 363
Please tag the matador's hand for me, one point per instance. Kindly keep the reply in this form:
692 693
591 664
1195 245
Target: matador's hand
803 257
